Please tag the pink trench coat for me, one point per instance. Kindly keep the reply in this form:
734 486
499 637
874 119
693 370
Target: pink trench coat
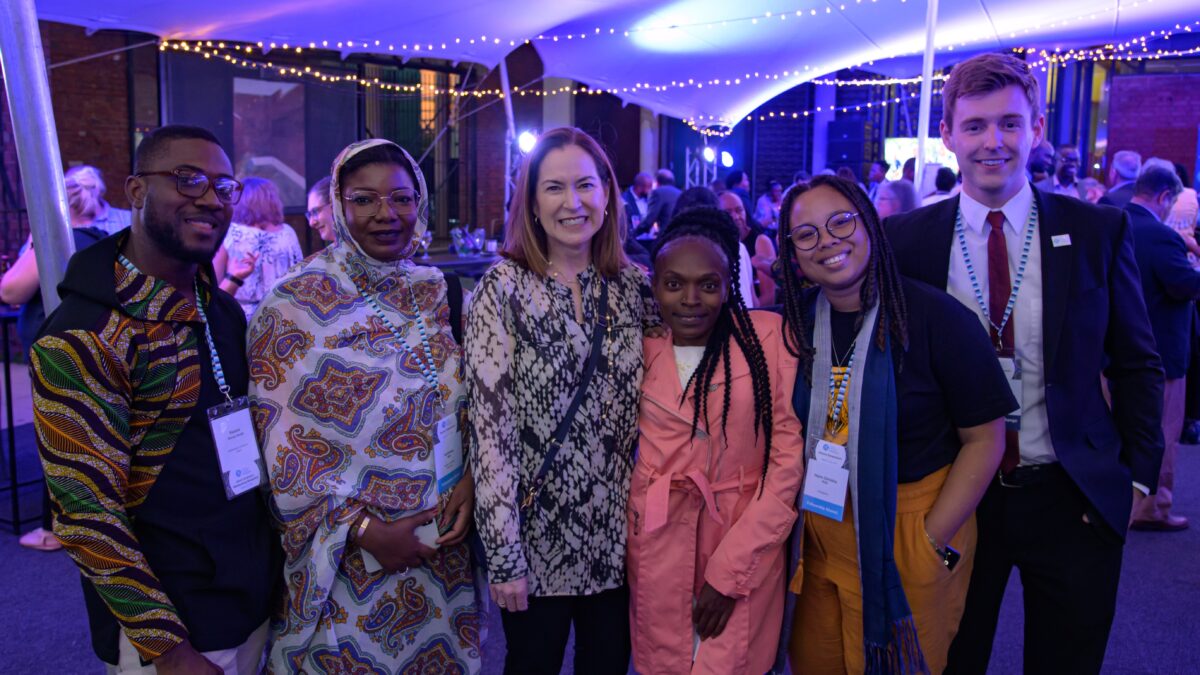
695 514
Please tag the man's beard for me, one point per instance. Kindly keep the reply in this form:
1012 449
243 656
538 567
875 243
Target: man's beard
165 235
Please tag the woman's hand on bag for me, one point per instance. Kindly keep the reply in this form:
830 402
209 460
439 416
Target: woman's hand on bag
457 515
712 612
395 545
512 596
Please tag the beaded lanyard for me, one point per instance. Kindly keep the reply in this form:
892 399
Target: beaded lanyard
839 390
1012 297
428 372
218 371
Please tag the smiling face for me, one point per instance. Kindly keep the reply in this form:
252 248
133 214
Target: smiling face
991 137
836 265
322 216
570 198
1066 163
187 229
387 235
691 284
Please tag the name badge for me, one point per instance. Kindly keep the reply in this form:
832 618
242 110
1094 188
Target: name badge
1012 373
448 467
241 463
1060 240
825 481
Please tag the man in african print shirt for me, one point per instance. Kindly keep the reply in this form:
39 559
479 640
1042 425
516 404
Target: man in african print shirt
175 571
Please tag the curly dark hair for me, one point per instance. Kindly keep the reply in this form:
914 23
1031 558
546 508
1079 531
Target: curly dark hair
881 285
733 323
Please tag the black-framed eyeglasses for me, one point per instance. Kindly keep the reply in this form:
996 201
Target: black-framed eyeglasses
840 225
367 204
195 184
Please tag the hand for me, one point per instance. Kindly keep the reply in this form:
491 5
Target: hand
512 596
185 660
457 515
712 612
243 267
655 331
395 545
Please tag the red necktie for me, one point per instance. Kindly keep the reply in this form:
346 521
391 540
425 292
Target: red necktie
999 289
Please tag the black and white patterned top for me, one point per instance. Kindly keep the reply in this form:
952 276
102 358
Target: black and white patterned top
525 355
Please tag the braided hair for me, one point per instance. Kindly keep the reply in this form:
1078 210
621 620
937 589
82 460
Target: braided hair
733 323
882 283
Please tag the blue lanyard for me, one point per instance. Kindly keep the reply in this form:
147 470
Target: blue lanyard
218 371
428 368
839 390
1016 287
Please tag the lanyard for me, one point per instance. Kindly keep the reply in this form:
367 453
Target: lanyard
1016 287
428 370
218 371
839 390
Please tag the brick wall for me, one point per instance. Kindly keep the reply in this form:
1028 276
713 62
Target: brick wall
1156 115
782 146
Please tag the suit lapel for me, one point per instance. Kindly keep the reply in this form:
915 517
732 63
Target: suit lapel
1057 267
937 265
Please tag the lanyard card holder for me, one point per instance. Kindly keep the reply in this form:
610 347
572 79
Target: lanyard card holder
448 467
232 428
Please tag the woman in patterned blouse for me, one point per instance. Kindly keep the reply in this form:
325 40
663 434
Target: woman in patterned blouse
561 559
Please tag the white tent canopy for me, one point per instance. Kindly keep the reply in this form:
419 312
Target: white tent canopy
784 42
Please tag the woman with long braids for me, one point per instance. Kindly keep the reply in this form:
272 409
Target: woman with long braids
904 403
719 464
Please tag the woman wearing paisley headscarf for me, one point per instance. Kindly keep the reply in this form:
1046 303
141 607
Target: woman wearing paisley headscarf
358 388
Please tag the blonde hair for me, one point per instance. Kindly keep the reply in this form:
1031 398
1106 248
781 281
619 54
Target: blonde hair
260 203
85 190
525 238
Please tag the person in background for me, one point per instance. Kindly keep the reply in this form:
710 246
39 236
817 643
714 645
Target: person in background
1183 216
21 285
1170 286
846 173
554 369
259 252
738 181
103 215
1126 164
801 176
359 384
895 197
1090 190
1041 163
320 210
944 183
133 375
909 170
713 492
876 177
1066 173
898 386
637 198
766 212
661 203
697 197
753 238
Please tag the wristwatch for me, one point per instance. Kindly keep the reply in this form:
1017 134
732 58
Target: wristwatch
947 553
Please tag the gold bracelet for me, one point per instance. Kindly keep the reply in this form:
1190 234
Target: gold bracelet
362 527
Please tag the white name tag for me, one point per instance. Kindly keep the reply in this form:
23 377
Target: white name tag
825 481
448 466
232 428
1012 373
1060 240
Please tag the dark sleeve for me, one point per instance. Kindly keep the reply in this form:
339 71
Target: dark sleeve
964 364
1134 371
1172 269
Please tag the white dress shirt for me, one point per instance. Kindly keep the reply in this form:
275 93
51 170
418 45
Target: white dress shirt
1036 447
746 277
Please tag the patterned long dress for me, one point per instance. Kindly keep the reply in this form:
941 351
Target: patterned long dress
347 424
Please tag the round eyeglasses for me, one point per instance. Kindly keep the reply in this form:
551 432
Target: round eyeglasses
368 204
194 184
840 225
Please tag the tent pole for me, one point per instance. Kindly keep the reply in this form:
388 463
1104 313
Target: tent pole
511 136
926 93
25 81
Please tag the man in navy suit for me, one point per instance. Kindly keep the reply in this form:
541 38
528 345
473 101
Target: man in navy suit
1055 282
637 198
1170 287
662 202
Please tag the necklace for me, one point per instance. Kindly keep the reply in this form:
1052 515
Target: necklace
570 280
428 366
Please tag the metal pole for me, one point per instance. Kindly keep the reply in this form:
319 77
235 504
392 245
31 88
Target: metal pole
926 93
511 136
24 66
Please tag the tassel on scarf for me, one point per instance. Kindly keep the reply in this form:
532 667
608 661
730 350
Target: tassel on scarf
901 656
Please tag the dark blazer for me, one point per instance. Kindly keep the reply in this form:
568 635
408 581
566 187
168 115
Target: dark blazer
631 208
1169 285
662 203
1093 320
1119 196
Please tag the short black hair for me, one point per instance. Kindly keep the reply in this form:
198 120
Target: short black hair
734 179
384 153
882 164
910 164
1156 179
693 197
801 176
154 143
945 179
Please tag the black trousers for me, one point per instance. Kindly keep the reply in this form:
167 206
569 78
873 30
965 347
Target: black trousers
1069 571
537 637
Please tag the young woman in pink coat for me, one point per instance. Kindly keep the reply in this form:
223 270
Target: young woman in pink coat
719 464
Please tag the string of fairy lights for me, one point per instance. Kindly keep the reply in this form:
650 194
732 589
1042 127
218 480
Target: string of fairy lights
251 57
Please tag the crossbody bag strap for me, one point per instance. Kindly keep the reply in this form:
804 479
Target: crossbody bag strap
564 426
